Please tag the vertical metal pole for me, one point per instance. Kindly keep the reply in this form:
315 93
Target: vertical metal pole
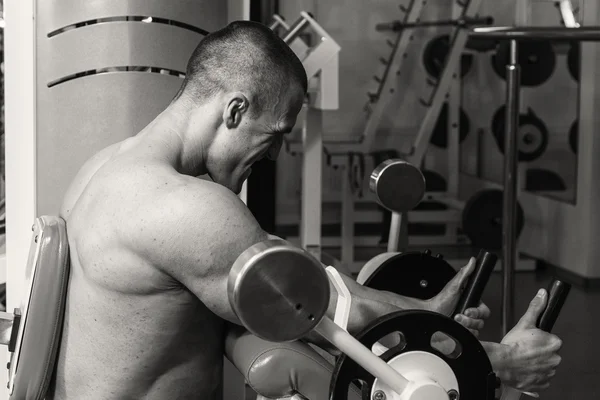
312 164
453 151
398 238
513 76
347 217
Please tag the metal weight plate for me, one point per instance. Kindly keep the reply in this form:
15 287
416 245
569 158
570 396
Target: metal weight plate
532 136
414 274
574 136
278 291
435 54
373 265
439 137
536 58
573 60
397 185
482 219
471 366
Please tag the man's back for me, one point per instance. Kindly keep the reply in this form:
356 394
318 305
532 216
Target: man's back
131 331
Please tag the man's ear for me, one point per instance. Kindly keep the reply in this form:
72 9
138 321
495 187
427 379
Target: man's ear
236 106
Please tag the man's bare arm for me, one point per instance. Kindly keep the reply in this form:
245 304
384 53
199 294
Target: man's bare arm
197 231
373 303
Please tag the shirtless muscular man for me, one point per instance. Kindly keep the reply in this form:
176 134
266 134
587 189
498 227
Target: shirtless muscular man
152 245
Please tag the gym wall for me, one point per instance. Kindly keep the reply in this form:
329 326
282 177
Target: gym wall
352 24
103 74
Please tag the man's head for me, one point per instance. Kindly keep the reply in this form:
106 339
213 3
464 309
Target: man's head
252 86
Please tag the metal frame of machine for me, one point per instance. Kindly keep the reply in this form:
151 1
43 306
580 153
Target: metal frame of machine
448 89
321 63
447 86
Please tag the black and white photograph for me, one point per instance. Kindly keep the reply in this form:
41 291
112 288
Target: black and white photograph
299 199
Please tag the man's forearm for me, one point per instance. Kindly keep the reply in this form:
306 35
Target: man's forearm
395 300
366 306
369 304
362 312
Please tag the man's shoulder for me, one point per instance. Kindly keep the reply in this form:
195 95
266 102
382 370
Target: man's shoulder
153 186
194 207
197 221
194 194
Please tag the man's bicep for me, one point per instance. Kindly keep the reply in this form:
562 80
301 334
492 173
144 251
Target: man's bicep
205 237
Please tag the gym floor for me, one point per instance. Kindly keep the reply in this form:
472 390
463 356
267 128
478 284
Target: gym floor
578 375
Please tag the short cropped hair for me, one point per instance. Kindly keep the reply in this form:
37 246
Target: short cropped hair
246 56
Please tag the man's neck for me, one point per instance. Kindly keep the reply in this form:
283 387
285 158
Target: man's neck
181 137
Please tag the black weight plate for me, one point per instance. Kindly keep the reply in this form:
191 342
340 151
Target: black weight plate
439 137
471 367
574 136
532 135
538 180
482 219
412 274
573 60
536 58
435 54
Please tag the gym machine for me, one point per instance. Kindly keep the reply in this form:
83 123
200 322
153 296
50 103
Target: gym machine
321 65
445 90
297 370
393 358
448 84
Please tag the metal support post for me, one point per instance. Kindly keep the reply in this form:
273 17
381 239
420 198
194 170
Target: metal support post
347 216
513 72
312 165
398 238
